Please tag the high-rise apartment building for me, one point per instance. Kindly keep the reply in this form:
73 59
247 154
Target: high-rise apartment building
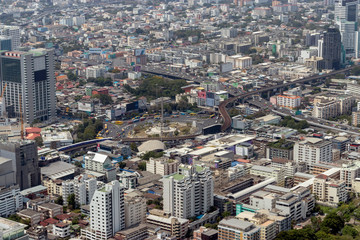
135 208
188 193
330 48
14 33
106 212
24 161
312 151
30 80
82 187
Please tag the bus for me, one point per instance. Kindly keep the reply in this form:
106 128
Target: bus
157 117
119 122
212 116
105 126
192 114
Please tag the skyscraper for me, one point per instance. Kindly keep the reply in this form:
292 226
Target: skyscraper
24 161
14 33
5 43
188 193
107 214
330 48
31 76
346 10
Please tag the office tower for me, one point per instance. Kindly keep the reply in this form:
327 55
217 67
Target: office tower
14 33
346 10
31 76
24 161
313 151
330 48
188 193
106 212
5 43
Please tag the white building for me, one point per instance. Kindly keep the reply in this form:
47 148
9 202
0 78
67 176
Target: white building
95 71
79 20
269 172
236 172
349 172
135 208
100 163
56 139
288 101
14 33
67 21
11 201
297 203
163 166
313 150
129 180
61 230
239 61
188 193
329 191
106 212
82 186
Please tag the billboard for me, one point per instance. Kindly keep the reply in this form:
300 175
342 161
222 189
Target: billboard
139 52
216 128
132 106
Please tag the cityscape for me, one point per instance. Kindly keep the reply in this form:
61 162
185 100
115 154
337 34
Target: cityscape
181 119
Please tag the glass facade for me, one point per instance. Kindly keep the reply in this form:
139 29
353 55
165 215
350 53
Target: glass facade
11 70
5 44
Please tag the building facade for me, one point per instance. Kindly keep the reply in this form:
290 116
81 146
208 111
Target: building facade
30 84
188 193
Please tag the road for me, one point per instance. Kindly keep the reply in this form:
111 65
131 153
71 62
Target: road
222 107
321 123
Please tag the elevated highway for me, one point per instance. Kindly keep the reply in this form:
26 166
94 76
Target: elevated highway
222 107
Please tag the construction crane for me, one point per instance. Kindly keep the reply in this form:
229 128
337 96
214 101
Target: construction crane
21 118
3 90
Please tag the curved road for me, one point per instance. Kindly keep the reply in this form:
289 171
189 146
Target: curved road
222 107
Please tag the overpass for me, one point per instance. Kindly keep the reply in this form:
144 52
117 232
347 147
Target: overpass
81 145
129 140
222 107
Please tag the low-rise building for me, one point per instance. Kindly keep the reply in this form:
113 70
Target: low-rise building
233 228
61 229
268 228
11 230
162 166
176 226
329 191
268 172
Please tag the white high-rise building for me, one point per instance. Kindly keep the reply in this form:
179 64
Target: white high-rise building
14 33
188 193
313 150
83 188
106 212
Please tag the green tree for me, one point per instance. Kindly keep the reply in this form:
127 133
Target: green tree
133 147
78 98
59 200
355 71
142 166
75 221
78 164
71 201
348 230
39 141
302 234
104 98
332 223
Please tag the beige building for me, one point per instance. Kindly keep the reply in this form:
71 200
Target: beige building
176 226
135 208
239 61
349 172
355 119
315 62
54 187
269 172
268 228
327 107
162 166
329 191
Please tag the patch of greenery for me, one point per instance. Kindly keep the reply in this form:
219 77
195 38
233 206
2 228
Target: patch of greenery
100 81
291 123
282 144
155 86
88 129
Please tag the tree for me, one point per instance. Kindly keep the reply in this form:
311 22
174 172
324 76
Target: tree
78 164
142 166
39 141
75 221
225 214
78 98
133 147
302 234
104 98
71 201
355 71
348 230
332 223
59 200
